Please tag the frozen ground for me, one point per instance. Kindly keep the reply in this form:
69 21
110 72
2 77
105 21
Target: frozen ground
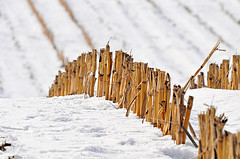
173 35
78 127
75 127
28 61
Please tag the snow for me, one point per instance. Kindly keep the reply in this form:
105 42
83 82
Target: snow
81 127
175 36
175 39
67 36
28 61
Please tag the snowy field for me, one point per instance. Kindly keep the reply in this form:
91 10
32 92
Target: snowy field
174 36
82 127
75 127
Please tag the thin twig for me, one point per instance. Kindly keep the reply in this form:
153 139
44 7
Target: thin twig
185 130
204 63
130 105
113 105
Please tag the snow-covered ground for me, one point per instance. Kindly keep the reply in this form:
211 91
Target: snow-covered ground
174 36
75 127
82 127
67 36
28 62
170 35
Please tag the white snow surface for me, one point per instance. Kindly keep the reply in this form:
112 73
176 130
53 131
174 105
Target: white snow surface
28 61
81 127
78 127
174 36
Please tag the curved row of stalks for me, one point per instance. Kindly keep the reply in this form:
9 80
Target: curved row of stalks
146 92
133 85
218 76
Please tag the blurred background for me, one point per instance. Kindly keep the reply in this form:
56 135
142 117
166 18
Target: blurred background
36 36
